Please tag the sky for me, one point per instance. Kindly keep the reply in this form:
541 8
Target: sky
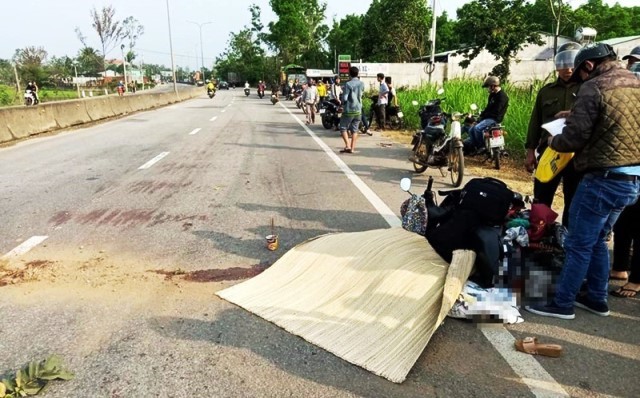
52 23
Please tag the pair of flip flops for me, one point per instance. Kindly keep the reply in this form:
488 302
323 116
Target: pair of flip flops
620 292
530 345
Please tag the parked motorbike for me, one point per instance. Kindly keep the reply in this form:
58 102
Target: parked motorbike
29 98
247 92
395 117
493 139
211 93
434 146
330 113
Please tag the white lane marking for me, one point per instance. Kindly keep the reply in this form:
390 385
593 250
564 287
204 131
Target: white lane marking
195 131
213 119
223 111
386 213
25 246
153 161
228 105
539 381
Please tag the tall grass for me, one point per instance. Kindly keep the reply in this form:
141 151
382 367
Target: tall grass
461 93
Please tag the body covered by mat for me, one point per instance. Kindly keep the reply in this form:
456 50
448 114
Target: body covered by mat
373 298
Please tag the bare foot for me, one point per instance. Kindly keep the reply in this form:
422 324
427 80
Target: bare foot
618 275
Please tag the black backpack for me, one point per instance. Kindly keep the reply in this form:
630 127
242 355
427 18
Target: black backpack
489 198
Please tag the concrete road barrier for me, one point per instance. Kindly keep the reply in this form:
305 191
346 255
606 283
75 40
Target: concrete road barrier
20 121
29 120
98 108
69 114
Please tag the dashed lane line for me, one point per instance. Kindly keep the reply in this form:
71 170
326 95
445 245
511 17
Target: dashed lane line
539 381
213 119
195 131
153 161
25 246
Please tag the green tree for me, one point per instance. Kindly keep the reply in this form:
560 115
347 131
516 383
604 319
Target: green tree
30 62
446 37
499 26
108 28
298 33
610 22
345 36
396 30
90 62
59 69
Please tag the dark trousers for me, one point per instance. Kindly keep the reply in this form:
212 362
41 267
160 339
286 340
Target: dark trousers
545 191
627 234
381 114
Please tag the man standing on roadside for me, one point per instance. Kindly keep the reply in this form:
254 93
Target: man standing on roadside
604 132
381 105
352 102
554 101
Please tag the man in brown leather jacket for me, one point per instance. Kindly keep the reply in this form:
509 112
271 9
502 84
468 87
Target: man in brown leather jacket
603 129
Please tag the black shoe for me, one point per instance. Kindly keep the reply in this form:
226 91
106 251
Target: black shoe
552 310
598 308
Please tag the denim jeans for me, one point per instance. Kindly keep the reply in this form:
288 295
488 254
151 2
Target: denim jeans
476 136
597 203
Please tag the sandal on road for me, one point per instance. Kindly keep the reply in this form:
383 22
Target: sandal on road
530 345
624 292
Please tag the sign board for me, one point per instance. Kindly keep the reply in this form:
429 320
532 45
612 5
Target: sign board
343 69
372 69
320 73
344 58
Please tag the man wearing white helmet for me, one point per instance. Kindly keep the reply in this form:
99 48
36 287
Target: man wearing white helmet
553 101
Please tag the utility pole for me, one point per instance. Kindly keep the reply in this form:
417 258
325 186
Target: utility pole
124 67
75 69
15 71
173 67
200 25
432 65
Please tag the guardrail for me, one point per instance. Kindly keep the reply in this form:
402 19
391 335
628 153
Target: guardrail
21 122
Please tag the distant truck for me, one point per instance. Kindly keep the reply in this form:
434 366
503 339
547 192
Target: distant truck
234 78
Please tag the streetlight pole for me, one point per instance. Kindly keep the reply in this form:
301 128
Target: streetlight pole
432 65
200 25
124 67
173 66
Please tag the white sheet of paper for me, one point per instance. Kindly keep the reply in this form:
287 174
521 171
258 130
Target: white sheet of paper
554 128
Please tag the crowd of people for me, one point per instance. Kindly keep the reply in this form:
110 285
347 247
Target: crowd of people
600 100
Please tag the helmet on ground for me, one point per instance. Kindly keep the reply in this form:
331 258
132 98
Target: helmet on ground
570 45
491 81
635 53
590 53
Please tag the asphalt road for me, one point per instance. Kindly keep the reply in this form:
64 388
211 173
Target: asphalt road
145 217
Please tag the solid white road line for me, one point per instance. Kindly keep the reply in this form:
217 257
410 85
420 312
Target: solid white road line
153 161
228 105
539 381
195 131
25 246
223 111
374 199
213 119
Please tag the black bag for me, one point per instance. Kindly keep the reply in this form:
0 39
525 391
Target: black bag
488 197
454 233
487 243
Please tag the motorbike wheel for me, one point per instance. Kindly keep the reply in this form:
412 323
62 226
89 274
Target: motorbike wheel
422 152
456 166
327 121
28 101
496 158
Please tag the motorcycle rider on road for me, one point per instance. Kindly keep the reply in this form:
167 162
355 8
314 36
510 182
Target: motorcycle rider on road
246 84
34 91
497 105
261 87
210 86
